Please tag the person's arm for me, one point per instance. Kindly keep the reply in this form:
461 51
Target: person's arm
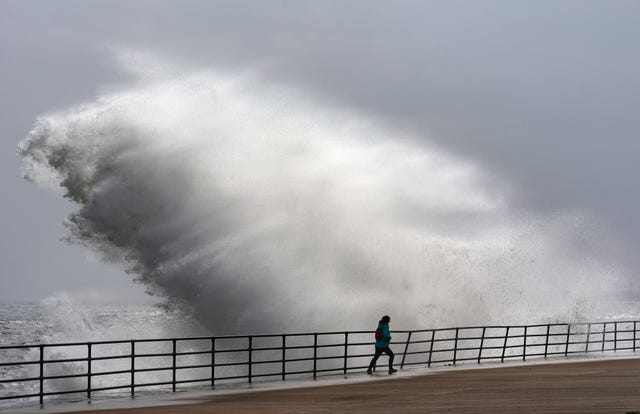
386 334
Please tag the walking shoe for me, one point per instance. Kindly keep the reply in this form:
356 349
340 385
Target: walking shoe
369 372
392 371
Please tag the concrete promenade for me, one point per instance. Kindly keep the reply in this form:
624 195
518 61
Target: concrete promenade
599 386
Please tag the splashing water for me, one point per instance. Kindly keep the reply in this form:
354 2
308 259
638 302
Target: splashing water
264 211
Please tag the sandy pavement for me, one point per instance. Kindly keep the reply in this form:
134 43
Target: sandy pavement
602 386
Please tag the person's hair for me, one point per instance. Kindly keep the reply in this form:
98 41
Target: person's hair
385 319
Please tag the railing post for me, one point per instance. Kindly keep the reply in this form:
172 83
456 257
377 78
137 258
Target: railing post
484 329
89 370
213 362
406 348
41 374
566 347
604 336
546 343
133 367
250 351
455 347
524 345
173 365
586 344
634 336
504 345
615 336
284 347
346 351
315 355
433 337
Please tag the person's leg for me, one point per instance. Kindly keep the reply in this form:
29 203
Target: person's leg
372 364
389 352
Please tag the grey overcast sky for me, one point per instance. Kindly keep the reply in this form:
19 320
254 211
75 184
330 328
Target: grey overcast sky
543 93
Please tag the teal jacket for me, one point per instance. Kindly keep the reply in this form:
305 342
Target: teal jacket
386 336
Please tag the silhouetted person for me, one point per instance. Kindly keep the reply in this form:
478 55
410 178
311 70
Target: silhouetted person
383 337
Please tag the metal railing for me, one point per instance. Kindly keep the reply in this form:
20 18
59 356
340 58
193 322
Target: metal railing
89 368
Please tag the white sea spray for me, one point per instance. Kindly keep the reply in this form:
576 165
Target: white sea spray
264 211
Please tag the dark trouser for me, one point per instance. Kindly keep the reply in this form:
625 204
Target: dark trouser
379 352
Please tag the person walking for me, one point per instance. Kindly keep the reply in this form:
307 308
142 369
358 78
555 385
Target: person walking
383 338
